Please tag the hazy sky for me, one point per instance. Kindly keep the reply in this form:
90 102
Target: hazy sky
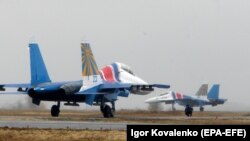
183 43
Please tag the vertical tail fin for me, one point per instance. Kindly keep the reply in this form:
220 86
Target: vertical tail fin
39 72
90 70
214 92
203 90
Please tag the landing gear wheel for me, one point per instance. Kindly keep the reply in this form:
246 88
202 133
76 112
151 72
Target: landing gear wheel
188 111
173 108
107 111
113 106
55 111
201 109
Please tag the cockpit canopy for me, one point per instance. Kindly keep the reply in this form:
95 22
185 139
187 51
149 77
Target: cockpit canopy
124 67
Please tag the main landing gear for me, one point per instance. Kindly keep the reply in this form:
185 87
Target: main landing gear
55 110
173 108
107 111
201 109
188 111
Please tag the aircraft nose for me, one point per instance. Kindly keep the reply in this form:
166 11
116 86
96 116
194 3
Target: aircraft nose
150 100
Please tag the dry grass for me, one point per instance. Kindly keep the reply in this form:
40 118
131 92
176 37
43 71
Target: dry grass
127 116
24 134
131 116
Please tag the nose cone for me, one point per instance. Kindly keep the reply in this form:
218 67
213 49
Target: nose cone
151 100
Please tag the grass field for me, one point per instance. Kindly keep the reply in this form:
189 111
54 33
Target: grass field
27 134
131 116
127 116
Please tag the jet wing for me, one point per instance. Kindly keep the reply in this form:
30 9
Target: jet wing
140 89
130 86
101 89
143 89
115 86
163 86
191 102
109 88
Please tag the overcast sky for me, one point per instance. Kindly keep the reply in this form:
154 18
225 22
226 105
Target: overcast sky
183 43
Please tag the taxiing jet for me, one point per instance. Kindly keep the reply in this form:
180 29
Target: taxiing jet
192 101
97 87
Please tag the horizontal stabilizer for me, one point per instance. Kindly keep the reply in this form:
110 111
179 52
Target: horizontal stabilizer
21 88
15 85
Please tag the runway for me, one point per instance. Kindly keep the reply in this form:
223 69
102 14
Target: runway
64 125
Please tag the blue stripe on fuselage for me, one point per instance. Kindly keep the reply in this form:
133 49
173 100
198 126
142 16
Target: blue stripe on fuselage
115 68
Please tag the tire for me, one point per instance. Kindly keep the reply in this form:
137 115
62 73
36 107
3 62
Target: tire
201 109
188 111
107 112
55 111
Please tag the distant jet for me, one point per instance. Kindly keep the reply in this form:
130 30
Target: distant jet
193 101
95 88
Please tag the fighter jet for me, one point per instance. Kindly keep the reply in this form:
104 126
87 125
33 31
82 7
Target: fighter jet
97 87
192 101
